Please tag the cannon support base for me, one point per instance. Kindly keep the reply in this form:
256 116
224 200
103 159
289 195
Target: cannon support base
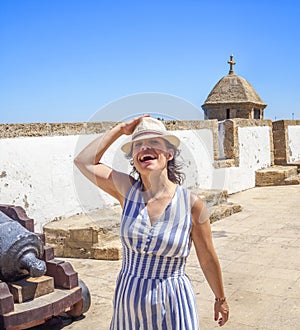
39 310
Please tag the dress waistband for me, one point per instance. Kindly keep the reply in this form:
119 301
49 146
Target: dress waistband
151 266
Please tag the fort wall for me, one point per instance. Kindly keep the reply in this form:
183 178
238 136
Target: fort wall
37 172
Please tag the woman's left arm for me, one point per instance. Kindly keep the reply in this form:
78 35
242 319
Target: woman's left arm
209 262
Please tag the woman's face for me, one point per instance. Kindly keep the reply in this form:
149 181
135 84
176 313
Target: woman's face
151 154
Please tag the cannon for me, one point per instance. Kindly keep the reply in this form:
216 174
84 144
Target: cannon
21 251
34 286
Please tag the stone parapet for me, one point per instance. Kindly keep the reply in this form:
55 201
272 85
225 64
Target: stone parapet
51 129
54 129
85 128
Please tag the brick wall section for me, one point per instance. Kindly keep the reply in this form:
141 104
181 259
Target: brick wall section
281 140
231 149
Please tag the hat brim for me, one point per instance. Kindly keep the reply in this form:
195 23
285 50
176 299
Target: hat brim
170 138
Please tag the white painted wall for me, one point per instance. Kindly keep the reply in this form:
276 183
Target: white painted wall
37 173
294 143
254 153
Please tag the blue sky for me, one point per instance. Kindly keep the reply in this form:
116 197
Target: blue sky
65 60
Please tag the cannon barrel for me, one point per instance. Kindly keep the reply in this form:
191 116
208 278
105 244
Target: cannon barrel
20 251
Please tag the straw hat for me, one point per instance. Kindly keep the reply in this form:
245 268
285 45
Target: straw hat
149 128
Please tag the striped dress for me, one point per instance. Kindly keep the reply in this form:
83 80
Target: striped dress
152 291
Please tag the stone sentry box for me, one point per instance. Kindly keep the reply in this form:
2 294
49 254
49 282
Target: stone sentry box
34 286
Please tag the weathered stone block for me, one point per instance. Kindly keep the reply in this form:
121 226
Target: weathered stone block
108 253
78 252
280 153
86 235
294 179
279 135
274 175
224 163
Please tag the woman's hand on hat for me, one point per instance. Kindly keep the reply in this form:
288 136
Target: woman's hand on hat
129 126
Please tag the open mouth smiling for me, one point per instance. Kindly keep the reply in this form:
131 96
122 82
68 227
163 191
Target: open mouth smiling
145 158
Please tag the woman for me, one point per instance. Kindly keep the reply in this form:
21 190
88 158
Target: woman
160 219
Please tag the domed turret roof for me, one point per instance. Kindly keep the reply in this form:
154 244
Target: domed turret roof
233 89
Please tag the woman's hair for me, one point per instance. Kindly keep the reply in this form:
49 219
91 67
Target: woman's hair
173 167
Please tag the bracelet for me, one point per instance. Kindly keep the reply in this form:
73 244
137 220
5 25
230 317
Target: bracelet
222 299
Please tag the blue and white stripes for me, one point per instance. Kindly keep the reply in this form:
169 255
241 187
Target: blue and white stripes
153 292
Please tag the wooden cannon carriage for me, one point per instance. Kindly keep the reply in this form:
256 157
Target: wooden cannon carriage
34 286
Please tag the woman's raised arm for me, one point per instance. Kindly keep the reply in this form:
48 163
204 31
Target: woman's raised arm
89 163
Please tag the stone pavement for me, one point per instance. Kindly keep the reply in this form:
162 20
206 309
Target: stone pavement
259 251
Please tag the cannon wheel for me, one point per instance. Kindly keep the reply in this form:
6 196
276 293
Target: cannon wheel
84 304
86 296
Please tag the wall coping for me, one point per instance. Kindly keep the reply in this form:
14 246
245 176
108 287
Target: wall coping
82 128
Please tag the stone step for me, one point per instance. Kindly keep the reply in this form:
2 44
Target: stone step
91 236
275 175
217 203
295 163
294 179
211 197
219 212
